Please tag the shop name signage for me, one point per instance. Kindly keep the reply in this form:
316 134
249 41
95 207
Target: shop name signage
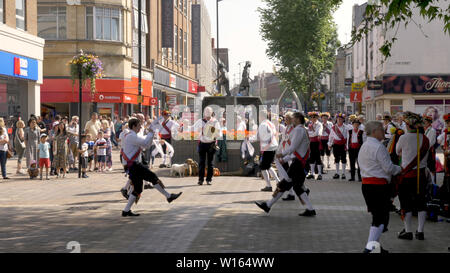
18 66
417 84
102 97
437 83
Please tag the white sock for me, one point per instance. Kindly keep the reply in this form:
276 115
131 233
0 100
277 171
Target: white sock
407 221
127 184
313 167
320 169
372 235
305 198
265 174
379 232
131 200
343 168
274 174
422 215
161 190
274 199
164 159
322 158
291 191
337 168
281 170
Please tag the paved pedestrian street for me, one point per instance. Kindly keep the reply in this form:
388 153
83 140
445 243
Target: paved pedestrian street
44 216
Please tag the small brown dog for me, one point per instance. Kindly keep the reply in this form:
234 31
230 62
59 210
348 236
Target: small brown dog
193 167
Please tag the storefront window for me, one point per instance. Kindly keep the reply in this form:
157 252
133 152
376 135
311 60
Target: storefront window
396 106
175 50
20 14
144 29
181 46
106 26
13 99
52 22
185 48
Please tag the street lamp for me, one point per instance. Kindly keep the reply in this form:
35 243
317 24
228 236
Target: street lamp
140 55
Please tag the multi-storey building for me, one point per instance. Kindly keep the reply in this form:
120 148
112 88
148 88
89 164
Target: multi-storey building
21 56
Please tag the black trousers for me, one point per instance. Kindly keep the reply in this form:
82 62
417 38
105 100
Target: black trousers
407 193
297 173
325 149
353 154
315 154
378 201
267 158
206 153
340 155
139 173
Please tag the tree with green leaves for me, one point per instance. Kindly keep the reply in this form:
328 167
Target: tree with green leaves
302 40
393 13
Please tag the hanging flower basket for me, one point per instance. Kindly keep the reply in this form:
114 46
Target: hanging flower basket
91 69
317 95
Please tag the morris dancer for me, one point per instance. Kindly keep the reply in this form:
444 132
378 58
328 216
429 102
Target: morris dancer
355 141
338 140
165 125
284 144
314 132
413 182
298 152
326 131
269 145
133 143
376 172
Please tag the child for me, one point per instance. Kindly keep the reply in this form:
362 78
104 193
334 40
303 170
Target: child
44 155
101 146
90 150
33 171
84 155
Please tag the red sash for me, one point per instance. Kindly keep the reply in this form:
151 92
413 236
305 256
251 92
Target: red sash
343 140
327 130
169 135
374 181
302 159
133 158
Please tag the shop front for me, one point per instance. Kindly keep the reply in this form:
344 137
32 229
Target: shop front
113 98
419 93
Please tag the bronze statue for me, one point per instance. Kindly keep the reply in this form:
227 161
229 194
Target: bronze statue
223 80
245 83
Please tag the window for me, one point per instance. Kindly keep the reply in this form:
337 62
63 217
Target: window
396 106
1 11
185 7
52 22
176 3
20 14
103 24
181 47
144 29
169 50
175 50
185 48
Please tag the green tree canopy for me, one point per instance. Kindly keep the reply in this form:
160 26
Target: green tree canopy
302 40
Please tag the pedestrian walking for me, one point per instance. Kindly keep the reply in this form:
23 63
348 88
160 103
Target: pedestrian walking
376 171
32 136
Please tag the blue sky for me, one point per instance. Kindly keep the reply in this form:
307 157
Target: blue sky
239 31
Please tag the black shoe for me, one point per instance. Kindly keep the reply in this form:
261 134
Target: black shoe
420 236
173 196
308 213
352 179
367 250
162 166
263 206
124 193
5 177
336 176
405 235
208 183
125 214
95 169
343 176
289 198
148 187
383 251
319 177
310 176
267 189
200 183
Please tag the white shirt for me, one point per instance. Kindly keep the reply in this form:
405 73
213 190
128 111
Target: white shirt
267 135
354 138
407 149
285 139
133 142
431 135
388 131
328 125
4 136
299 143
374 160
85 146
334 136
209 131
440 139
171 125
315 129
